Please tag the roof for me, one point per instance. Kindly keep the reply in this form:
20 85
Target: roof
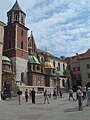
33 59
47 65
5 58
59 73
16 7
85 55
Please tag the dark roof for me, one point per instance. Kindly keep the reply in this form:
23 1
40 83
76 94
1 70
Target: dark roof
16 7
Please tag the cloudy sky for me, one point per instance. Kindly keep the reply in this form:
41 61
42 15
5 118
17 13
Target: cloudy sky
60 26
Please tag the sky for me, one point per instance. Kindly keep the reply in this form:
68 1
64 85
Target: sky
60 26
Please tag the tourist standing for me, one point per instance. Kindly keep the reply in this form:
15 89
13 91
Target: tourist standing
84 92
80 99
71 94
88 96
30 94
26 95
33 96
46 97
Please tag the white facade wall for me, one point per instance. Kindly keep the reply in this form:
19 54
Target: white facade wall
20 65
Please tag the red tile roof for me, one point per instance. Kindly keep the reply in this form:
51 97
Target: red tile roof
85 55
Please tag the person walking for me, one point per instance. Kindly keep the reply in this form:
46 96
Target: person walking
55 94
88 97
80 99
71 94
26 95
19 93
33 92
46 97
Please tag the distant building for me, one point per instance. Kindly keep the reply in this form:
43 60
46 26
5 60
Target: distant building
80 69
1 48
84 61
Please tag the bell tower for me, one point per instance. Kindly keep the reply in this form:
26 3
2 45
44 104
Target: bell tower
16 41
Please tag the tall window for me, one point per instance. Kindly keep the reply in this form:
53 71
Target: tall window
63 67
54 63
22 32
22 77
78 68
16 17
88 66
21 44
88 75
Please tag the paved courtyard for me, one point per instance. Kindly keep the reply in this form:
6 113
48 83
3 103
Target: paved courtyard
59 109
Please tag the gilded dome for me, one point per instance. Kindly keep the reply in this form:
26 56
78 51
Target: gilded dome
5 58
47 65
33 59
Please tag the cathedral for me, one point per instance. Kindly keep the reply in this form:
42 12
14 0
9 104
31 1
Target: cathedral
23 64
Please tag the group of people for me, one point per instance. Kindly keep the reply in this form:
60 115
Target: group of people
57 93
28 94
81 95
46 94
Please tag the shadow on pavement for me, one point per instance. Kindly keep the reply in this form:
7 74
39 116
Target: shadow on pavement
71 110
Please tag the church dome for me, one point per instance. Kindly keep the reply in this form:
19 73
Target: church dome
59 73
33 59
47 65
5 58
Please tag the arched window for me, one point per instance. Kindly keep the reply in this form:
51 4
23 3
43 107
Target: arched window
22 77
54 63
63 83
38 67
21 44
22 32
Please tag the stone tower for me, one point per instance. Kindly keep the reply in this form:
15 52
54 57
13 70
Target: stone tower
16 41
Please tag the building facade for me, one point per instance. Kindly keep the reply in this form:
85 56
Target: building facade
84 61
31 67
1 49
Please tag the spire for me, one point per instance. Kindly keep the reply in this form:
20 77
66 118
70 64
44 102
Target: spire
16 7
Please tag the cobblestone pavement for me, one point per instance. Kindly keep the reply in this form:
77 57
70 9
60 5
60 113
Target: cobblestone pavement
59 109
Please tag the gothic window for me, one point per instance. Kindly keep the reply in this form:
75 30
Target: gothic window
22 19
22 32
21 44
16 17
9 44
